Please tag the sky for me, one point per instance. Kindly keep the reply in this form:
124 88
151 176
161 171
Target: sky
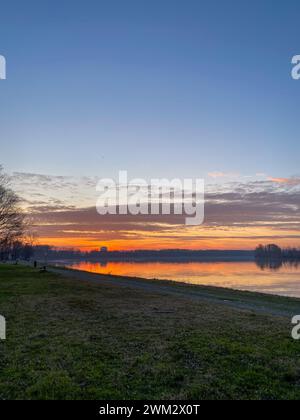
161 89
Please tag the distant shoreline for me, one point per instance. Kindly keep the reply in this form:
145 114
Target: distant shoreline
159 260
168 256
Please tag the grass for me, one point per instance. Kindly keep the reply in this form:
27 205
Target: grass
73 340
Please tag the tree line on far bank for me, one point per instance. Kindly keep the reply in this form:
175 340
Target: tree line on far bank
274 252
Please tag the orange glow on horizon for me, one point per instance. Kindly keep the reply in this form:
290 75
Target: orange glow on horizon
155 244
170 237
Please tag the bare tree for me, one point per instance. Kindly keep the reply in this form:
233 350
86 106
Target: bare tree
12 220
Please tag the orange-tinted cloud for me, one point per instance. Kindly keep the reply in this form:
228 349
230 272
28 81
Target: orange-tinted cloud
237 215
235 219
287 181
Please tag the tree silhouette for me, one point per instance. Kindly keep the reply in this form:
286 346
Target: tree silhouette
12 219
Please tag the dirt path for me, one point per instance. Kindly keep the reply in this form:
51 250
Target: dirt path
234 299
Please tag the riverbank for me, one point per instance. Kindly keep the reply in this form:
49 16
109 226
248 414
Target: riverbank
72 337
244 276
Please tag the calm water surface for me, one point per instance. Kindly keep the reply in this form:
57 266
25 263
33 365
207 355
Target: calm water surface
281 280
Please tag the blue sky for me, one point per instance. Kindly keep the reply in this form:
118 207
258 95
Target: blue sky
160 88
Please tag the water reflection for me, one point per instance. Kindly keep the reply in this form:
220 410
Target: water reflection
263 276
275 264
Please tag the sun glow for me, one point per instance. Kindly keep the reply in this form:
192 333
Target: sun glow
176 237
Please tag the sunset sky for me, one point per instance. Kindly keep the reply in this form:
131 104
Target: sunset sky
199 89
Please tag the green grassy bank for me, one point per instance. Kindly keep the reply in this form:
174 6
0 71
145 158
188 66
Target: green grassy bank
68 339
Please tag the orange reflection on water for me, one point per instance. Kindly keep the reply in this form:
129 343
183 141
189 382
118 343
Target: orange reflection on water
237 275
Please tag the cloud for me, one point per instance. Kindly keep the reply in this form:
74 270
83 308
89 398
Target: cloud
223 174
64 207
288 181
242 208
